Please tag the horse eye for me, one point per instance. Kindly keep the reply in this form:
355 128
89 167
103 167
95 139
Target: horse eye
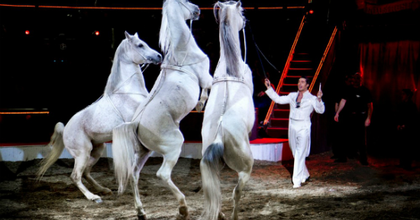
140 45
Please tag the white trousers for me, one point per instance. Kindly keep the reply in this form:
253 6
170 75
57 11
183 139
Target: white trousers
299 142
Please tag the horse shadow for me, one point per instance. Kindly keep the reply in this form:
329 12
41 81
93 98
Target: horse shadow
12 174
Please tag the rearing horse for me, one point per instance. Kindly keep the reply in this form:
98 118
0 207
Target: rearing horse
85 134
155 126
229 115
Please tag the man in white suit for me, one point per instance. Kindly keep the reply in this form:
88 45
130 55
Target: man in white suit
302 104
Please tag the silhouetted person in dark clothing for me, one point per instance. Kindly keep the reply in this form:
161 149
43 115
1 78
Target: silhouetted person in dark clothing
338 128
358 104
407 118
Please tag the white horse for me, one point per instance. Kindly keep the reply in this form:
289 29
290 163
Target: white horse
87 131
229 115
155 126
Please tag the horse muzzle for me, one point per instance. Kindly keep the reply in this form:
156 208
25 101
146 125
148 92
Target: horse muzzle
155 59
196 14
158 59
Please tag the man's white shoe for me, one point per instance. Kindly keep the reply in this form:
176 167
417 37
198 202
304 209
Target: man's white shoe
296 186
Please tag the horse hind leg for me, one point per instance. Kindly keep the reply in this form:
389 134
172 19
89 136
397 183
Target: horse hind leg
81 160
94 157
143 156
164 173
237 192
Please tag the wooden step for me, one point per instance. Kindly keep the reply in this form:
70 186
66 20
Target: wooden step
290 84
301 63
277 132
301 56
282 107
283 93
281 113
279 122
301 69
289 88
293 79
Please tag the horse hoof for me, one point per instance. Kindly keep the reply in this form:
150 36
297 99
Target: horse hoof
199 107
141 217
98 200
182 217
107 192
183 213
221 216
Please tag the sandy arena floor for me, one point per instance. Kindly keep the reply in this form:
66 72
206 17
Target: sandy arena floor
336 191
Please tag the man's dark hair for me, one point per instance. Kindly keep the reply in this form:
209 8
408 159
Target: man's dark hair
308 80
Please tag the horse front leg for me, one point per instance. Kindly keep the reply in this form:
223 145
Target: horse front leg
94 157
80 163
203 98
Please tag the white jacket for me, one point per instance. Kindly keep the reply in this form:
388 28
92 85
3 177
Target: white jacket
308 104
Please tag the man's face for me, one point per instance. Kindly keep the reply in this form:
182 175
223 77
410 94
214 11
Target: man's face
302 85
357 81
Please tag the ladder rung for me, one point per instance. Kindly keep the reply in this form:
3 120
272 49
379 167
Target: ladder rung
301 68
296 76
280 119
282 110
301 61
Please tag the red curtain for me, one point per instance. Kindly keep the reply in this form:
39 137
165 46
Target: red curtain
387 68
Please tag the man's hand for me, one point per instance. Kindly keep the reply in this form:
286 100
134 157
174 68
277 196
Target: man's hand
319 95
267 83
336 117
367 122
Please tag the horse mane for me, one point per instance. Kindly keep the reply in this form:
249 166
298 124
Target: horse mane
164 33
232 49
114 78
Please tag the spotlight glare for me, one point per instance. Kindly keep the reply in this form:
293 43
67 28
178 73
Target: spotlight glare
311 11
27 32
97 33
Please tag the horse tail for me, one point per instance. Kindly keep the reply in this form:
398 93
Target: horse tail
210 166
57 146
124 141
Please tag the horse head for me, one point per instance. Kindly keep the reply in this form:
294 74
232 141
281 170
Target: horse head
139 52
190 11
231 21
230 13
173 26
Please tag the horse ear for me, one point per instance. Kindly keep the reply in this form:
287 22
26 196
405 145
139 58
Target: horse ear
136 34
127 35
239 4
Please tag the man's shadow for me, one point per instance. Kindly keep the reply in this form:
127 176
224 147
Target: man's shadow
288 164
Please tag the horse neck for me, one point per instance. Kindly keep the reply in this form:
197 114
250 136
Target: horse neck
126 76
230 49
180 35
